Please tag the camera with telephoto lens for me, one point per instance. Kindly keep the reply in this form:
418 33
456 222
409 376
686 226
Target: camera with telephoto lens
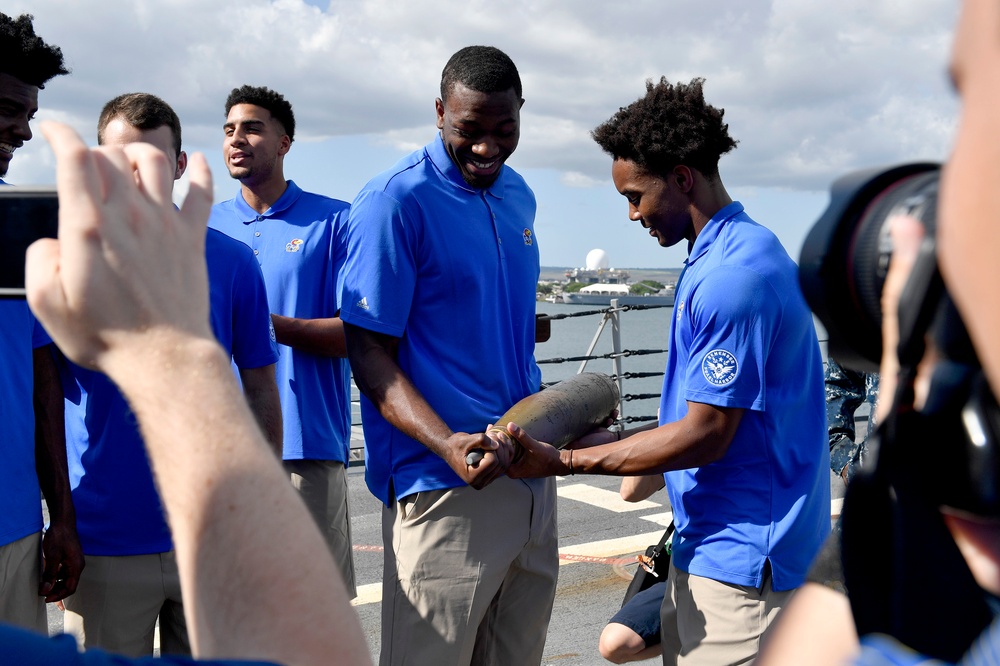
953 442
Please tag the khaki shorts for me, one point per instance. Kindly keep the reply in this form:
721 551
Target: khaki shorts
704 622
470 575
20 574
322 484
119 600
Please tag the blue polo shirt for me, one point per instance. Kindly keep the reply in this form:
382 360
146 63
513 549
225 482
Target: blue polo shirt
452 271
20 497
742 336
118 510
300 246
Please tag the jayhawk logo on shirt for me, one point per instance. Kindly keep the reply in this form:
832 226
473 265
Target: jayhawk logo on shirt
294 245
526 234
719 367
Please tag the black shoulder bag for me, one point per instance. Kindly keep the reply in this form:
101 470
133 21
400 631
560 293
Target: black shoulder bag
652 567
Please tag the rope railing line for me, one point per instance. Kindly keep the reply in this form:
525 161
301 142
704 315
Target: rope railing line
626 308
610 355
638 375
637 419
586 313
642 352
568 315
628 397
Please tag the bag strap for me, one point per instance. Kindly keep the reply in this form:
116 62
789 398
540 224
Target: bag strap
666 535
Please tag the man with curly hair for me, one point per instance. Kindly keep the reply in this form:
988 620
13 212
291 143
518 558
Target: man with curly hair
30 395
742 431
299 240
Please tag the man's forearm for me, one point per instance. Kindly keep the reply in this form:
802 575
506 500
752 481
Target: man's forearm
702 437
261 391
383 382
399 402
50 437
221 465
320 337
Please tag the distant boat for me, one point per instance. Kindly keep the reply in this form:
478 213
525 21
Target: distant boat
602 293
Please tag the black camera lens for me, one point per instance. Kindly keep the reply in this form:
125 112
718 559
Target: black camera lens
846 254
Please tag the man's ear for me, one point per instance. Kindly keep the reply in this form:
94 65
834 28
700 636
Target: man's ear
284 145
684 177
439 108
182 164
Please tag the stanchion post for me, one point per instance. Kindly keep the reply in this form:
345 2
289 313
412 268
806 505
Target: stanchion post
616 359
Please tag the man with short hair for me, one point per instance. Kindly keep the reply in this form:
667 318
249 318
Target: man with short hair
132 579
742 434
439 303
298 239
34 452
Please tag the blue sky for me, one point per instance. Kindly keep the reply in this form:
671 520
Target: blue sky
811 90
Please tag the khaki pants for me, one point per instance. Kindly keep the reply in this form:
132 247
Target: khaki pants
705 622
20 574
470 575
119 600
322 484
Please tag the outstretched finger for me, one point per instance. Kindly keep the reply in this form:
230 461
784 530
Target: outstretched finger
77 179
198 202
152 172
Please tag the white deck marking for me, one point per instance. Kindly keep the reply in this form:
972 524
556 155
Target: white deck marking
660 518
368 594
603 499
635 543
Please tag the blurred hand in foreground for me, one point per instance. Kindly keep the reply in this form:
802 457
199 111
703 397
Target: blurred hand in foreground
84 286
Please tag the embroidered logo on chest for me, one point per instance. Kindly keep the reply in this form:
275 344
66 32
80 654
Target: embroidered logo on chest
294 245
526 234
719 367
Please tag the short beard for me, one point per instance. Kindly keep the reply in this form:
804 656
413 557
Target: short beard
478 183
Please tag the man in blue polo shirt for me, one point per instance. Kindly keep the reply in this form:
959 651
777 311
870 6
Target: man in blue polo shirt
131 581
742 434
298 239
439 303
30 396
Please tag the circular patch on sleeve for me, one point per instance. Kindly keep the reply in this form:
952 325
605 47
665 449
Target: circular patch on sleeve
719 367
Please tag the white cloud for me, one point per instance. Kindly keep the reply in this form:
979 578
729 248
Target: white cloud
810 89
791 73
582 180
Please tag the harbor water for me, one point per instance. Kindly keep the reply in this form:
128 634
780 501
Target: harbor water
641 330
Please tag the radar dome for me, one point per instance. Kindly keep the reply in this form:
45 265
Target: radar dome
597 260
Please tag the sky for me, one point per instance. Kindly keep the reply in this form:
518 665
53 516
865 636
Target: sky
811 90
